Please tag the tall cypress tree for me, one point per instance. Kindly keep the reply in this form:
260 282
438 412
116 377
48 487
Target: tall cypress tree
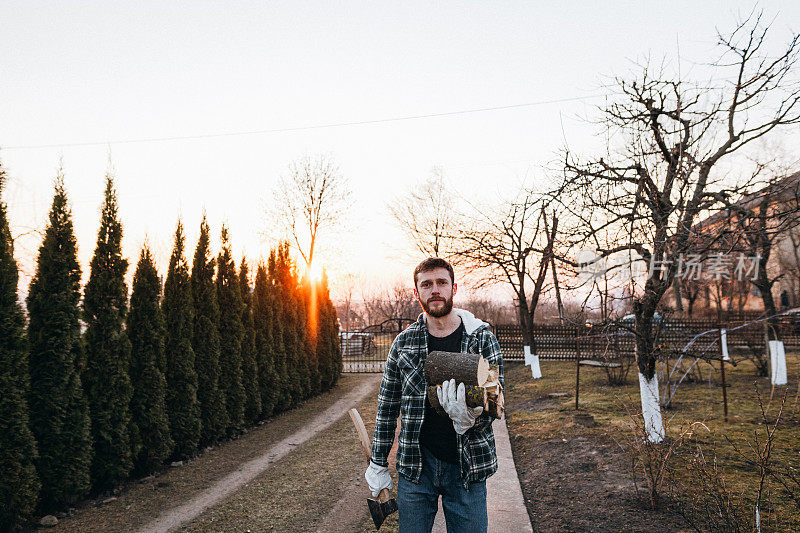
205 341
293 321
333 340
321 349
146 332
231 334
19 484
252 405
182 405
267 344
306 353
329 336
59 411
106 379
284 335
310 323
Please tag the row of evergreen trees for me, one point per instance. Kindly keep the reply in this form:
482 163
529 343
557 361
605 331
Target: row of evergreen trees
95 391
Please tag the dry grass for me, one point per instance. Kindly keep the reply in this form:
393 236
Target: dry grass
533 413
143 500
297 494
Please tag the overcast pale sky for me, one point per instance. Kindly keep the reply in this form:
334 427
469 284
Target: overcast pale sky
108 72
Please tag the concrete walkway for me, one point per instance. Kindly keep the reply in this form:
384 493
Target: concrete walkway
506 507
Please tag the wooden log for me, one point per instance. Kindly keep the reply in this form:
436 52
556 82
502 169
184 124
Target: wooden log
433 398
476 397
494 393
496 404
493 386
494 373
466 368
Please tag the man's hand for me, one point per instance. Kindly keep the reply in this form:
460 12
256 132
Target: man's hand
453 401
378 478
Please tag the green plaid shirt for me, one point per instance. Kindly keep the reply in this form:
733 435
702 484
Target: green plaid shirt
403 391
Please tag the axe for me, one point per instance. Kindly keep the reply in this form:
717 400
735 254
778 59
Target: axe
385 504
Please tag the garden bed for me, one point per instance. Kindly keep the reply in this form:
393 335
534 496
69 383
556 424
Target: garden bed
578 477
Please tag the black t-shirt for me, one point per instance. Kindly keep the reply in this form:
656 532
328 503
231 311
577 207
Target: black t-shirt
438 435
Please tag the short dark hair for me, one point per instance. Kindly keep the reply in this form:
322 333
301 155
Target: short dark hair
432 263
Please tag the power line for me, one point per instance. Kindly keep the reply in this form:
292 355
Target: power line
299 128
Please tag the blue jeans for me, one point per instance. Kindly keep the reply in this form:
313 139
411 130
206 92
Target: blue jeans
464 510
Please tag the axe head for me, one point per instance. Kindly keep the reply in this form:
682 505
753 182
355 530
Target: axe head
380 511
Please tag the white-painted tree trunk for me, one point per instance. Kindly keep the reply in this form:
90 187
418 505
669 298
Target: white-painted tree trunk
651 411
777 360
723 339
533 360
758 520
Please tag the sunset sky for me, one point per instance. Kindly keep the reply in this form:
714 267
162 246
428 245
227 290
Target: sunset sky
203 105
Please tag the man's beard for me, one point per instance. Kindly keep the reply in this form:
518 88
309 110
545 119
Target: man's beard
445 309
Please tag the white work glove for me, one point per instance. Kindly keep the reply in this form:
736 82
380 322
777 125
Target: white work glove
454 403
378 478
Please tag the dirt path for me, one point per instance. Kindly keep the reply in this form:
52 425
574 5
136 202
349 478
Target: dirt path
353 492
342 511
248 471
142 501
319 486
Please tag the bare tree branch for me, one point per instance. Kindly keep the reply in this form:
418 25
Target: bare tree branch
426 214
311 200
648 194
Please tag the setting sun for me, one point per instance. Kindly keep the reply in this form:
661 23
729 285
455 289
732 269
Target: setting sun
314 271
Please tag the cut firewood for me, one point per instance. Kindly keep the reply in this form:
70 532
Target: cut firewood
433 398
481 380
494 373
496 404
466 368
476 397
493 388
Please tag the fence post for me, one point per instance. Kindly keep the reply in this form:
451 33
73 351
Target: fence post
577 366
722 374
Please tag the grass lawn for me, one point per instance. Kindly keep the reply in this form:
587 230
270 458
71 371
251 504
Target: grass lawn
543 411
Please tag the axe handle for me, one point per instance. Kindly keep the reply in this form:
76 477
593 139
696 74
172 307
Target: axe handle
363 438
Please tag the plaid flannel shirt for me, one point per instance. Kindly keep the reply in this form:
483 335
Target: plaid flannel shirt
403 391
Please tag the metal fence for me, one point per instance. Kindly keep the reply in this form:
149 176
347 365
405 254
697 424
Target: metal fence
569 342
366 350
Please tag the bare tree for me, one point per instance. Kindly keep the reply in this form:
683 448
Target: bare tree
758 223
310 200
599 278
426 214
690 290
789 261
345 286
654 186
390 303
492 311
513 245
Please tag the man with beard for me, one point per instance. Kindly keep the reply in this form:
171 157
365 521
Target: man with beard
449 456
